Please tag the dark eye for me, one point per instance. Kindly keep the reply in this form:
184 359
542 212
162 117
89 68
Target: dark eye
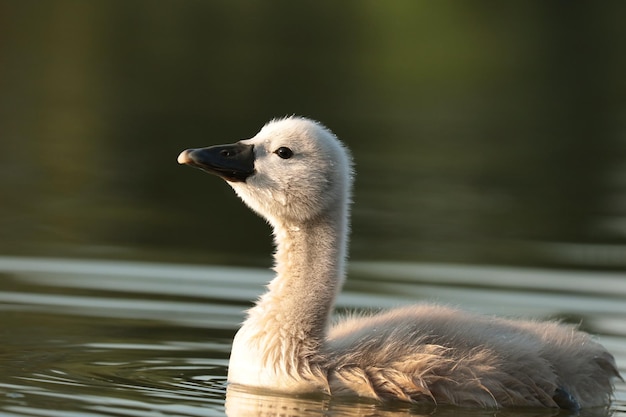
284 152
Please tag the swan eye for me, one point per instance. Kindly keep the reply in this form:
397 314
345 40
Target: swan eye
284 152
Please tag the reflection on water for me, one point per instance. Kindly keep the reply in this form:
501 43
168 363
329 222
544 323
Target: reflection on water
240 402
98 338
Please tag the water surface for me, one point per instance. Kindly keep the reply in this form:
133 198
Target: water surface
489 143
94 338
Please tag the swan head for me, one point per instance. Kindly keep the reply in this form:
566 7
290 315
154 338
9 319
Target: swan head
292 171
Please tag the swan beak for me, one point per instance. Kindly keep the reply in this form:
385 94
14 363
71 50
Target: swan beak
233 163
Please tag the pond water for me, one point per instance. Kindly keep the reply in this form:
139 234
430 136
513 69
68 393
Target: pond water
104 338
490 149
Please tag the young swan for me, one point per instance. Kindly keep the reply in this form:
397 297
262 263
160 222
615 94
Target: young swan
297 175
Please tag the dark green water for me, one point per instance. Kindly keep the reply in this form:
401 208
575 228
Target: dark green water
489 140
482 133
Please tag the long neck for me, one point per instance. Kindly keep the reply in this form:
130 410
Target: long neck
309 263
310 268
284 330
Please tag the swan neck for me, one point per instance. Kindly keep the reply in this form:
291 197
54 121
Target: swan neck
280 342
309 265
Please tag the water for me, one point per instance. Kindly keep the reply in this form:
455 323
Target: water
489 144
103 338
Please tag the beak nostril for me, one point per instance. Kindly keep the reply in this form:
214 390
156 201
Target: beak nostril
225 153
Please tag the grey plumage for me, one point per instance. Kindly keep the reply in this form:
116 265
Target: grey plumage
301 183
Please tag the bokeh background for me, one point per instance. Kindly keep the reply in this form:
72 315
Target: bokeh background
483 132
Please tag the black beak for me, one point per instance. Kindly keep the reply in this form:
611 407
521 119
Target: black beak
231 162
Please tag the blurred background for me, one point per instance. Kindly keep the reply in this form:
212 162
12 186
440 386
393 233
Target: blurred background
483 132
